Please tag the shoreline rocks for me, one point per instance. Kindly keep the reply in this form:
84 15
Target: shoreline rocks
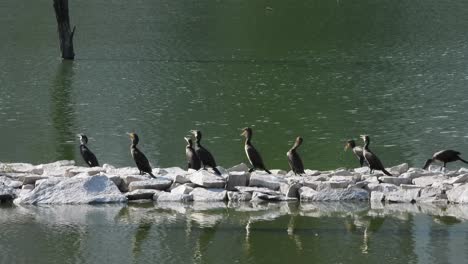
62 182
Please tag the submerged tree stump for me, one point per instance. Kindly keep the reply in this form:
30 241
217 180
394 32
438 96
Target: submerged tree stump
65 34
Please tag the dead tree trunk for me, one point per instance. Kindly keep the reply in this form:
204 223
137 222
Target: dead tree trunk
65 34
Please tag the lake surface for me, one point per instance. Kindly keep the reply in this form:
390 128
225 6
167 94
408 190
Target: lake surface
325 70
234 233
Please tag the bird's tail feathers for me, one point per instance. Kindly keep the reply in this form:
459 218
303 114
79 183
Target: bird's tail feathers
386 172
462 160
216 171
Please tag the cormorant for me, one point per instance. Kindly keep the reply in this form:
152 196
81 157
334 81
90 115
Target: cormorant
205 156
372 159
294 159
356 150
252 154
192 158
140 159
444 156
87 155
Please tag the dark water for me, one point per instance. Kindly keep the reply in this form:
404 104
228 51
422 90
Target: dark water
245 233
325 70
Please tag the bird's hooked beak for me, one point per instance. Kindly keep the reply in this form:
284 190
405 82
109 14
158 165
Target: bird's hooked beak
130 135
78 135
244 132
193 132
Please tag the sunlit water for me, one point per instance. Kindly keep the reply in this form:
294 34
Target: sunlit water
241 233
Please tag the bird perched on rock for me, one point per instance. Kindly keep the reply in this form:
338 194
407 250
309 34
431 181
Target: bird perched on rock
87 155
356 150
140 159
444 156
252 154
372 160
193 160
205 156
294 160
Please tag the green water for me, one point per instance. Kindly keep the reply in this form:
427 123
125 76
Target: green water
325 70
244 233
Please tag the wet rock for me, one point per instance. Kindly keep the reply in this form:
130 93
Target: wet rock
155 184
429 180
431 194
141 194
259 179
6 193
208 195
236 178
207 179
377 196
403 196
182 189
257 189
239 196
240 167
94 189
458 194
172 197
330 194
290 190
256 196
395 180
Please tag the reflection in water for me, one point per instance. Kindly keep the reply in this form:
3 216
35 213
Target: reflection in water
62 111
244 233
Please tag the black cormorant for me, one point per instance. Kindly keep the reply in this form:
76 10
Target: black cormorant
356 150
193 160
140 159
252 154
445 156
295 161
372 159
205 156
87 155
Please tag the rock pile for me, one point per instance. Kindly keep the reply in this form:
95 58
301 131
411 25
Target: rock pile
62 182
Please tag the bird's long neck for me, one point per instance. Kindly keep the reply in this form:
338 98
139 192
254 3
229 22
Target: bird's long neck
247 139
197 142
295 146
366 144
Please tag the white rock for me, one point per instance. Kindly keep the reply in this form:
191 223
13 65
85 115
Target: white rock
207 179
462 171
239 167
430 191
257 189
429 180
410 186
377 196
259 179
10 182
414 173
279 172
395 180
172 197
236 178
402 196
458 179
182 189
256 196
155 184
333 194
349 178
311 184
208 195
399 169
382 187
361 170
239 196
31 179
128 179
333 185
89 171
342 172
20 168
458 194
27 187
141 194
122 171
94 189
436 168
312 172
